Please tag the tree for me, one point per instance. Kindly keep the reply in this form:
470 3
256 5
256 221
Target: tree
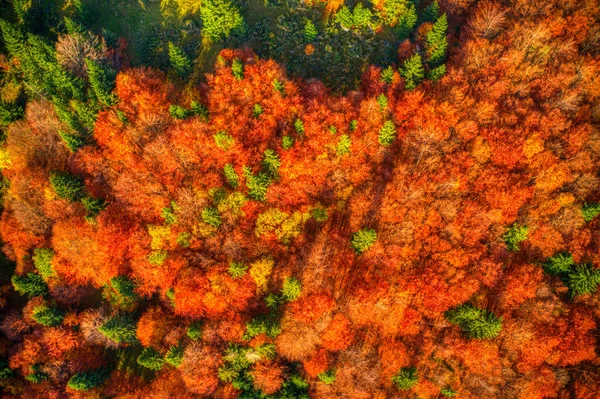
67 186
582 279
327 377
514 236
237 269
120 329
194 331
387 133
220 19
590 211
559 264
212 217
151 359
231 176
87 380
310 31
47 315
412 71
102 82
73 141
436 42
30 285
237 68
476 323
271 163
363 239
406 378
257 184
344 145
292 288
180 62
178 112
174 356
42 259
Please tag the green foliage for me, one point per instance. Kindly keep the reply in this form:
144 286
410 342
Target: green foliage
319 214
183 239
310 31
299 126
120 329
14 39
268 324
353 125
387 133
174 355
42 259
237 67
287 142
292 288
212 217
257 110
151 359
344 145
220 19
590 211
102 82
10 112
180 62
178 112
363 239
257 184
157 258
73 141
194 331
406 378
200 110
237 269
360 18
30 285
67 186
271 163
231 176
432 12
37 375
87 380
49 316
168 214
382 100
5 371
387 75
223 140
437 73
476 323
582 279
559 264
93 206
278 86
327 377
448 392
514 236
121 293
436 42
412 71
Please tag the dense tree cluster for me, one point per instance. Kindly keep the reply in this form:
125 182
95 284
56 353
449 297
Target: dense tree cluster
433 233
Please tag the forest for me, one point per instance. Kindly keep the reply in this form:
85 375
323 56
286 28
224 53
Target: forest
294 199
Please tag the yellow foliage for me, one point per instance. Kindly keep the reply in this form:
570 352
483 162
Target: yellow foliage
260 272
5 162
160 236
232 204
269 221
480 150
204 230
292 227
181 7
533 146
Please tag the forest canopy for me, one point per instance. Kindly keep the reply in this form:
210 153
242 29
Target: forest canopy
285 199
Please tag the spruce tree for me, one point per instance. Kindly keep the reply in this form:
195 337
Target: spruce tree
220 19
87 380
72 141
437 43
179 61
174 355
363 239
590 211
231 176
42 260
67 186
30 285
237 68
102 82
310 31
476 323
120 329
257 184
582 279
412 71
49 316
387 133
271 163
406 378
151 359
292 288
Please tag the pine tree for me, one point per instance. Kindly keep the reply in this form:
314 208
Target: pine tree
582 279
287 142
10 112
344 145
30 285
42 260
257 184
327 377
476 323
237 269
412 71
194 331
387 75
231 176
211 217
363 239
102 82
257 110
432 12
179 61
73 141
87 380
590 211
382 100
220 19
310 31
406 378
151 359
437 73
174 356
178 112
387 133
237 68
14 40
67 186
437 43
559 264
120 329
271 163
49 316
514 236
292 288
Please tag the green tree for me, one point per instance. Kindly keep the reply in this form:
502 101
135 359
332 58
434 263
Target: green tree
292 288
174 355
179 61
559 264
437 44
344 145
10 112
48 315
299 126
406 378
102 82
120 329
476 323
271 163
327 377
237 68
121 293
310 31
212 217
30 285
590 211
287 142
514 236
237 269
93 206
87 380
437 73
382 100
220 19
178 112
42 260
73 141
257 110
257 184
151 359
231 176
14 39
582 279
67 186
448 392
387 134
432 12
363 239
387 75
412 71
194 331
